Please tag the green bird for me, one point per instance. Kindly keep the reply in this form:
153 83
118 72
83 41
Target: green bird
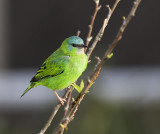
63 67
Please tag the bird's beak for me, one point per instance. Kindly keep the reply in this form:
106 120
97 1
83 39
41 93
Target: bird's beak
83 45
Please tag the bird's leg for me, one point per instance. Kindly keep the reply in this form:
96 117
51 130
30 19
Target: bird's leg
67 88
62 100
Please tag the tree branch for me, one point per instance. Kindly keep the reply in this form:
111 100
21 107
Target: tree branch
89 37
70 114
105 23
123 27
56 108
74 107
78 33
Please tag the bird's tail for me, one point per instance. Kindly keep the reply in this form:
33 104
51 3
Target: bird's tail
32 85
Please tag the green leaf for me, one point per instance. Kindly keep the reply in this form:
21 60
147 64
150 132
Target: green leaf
79 89
61 125
73 99
82 84
109 55
87 92
76 87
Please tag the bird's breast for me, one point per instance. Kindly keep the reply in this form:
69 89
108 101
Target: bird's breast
77 64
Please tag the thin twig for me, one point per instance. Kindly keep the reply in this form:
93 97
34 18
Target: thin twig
98 61
123 27
70 115
68 101
78 33
105 23
62 131
97 8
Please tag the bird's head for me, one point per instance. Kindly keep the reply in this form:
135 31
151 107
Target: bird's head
73 45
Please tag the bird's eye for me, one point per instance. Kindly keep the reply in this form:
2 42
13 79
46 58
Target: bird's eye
74 45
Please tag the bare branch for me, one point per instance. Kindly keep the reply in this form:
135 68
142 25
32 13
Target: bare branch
78 33
56 108
105 23
123 27
115 5
98 61
68 101
62 131
71 113
97 8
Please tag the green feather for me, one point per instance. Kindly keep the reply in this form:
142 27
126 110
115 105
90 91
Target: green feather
51 68
31 86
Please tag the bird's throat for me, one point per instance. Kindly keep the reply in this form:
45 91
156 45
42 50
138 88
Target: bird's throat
80 51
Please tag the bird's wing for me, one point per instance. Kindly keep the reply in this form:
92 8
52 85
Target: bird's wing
51 68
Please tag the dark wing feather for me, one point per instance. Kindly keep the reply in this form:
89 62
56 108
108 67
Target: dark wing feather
51 68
